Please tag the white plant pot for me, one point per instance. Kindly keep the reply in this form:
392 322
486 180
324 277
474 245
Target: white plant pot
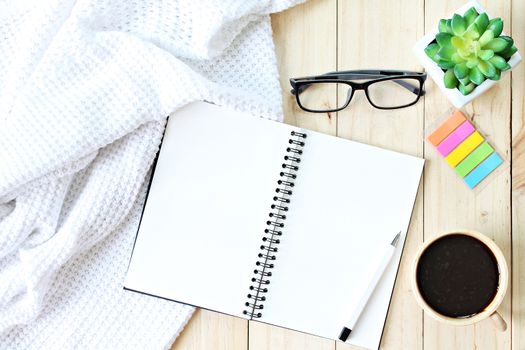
437 74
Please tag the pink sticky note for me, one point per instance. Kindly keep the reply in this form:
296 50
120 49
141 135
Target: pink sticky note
453 140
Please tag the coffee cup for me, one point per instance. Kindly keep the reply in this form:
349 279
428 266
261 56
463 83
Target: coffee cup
460 278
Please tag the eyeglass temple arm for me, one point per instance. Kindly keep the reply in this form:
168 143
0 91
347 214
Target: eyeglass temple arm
366 74
356 74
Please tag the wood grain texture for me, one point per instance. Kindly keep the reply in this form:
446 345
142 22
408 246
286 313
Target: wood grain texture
212 330
305 44
326 35
450 204
265 337
518 182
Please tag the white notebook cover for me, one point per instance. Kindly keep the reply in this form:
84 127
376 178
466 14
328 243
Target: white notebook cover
209 201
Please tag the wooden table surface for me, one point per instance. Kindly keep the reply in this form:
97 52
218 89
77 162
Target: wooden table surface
327 35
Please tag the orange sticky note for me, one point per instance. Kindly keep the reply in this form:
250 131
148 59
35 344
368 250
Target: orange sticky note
456 119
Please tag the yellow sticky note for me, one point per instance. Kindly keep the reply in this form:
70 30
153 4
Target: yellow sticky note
464 149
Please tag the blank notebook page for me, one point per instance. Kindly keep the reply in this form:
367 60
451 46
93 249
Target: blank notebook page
207 207
209 201
348 203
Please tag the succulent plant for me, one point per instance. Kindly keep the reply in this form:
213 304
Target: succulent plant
470 49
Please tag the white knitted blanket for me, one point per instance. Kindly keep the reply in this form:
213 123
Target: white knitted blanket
85 87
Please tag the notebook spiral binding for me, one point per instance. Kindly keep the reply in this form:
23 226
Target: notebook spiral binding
277 216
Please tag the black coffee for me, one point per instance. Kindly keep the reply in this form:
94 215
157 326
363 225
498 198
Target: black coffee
458 276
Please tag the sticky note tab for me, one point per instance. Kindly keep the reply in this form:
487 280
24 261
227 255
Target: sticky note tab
455 138
445 129
483 170
473 159
463 150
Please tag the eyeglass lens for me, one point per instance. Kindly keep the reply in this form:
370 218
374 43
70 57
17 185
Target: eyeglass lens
393 93
320 96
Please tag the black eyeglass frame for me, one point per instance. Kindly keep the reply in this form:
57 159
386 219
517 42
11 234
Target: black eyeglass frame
345 77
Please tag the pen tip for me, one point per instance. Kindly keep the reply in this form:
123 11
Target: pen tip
396 239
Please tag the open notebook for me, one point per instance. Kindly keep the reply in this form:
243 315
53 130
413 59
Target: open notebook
229 189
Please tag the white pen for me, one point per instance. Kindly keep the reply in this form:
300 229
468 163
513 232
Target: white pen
372 283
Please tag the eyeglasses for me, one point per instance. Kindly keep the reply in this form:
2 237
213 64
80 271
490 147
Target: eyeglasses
385 89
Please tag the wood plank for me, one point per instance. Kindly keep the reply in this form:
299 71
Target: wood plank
305 44
380 34
518 182
212 330
265 337
449 204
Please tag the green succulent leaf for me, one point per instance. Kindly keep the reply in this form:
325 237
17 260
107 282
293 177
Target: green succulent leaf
465 54
457 41
456 58
471 63
485 54
497 44
487 69
464 81
499 62
482 21
508 39
476 76
497 75
466 89
442 26
461 71
443 39
486 37
450 79
507 53
449 26
444 64
470 15
496 25
458 24
446 52
472 32
431 51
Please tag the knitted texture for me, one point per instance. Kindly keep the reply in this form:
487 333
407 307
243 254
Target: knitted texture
85 87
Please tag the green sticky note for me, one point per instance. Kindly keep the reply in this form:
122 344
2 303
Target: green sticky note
473 159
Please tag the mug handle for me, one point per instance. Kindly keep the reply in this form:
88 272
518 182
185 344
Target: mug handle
498 321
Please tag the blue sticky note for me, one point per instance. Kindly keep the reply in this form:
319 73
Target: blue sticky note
483 170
